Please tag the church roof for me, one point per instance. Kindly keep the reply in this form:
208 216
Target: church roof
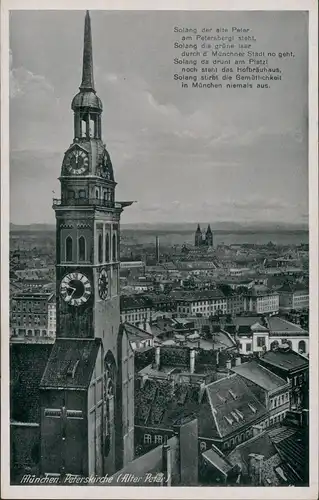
71 363
86 100
87 97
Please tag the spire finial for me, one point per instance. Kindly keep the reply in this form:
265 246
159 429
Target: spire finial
87 70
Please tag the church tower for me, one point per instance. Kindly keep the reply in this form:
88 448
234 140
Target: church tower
198 236
209 237
87 403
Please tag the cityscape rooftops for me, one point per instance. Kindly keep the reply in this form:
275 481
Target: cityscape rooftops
45 296
293 287
128 302
200 295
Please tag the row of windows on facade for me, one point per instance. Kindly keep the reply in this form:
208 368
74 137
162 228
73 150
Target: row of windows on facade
159 439
212 307
32 333
108 194
279 400
82 250
28 306
22 320
134 317
209 302
261 342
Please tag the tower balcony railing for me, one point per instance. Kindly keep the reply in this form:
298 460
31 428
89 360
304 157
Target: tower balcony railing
84 202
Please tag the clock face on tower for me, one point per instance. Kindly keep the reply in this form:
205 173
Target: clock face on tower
77 162
75 289
103 284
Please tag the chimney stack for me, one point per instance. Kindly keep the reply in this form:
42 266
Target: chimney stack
228 364
217 359
238 361
157 249
305 418
167 465
157 357
192 361
255 468
202 388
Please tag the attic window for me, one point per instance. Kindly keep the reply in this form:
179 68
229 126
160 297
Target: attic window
236 417
72 368
49 412
232 394
241 416
221 398
229 420
74 414
253 409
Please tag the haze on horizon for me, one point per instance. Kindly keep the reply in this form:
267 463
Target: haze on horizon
184 155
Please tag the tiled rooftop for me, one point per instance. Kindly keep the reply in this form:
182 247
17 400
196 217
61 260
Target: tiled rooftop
233 405
287 360
135 333
277 324
260 375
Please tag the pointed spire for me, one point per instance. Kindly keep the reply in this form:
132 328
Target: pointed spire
198 230
87 70
208 229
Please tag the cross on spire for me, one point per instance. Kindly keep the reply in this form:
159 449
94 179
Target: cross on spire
87 69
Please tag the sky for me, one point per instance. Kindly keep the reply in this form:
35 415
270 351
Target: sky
185 155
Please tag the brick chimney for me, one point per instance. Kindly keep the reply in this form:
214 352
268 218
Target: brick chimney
192 361
228 364
238 361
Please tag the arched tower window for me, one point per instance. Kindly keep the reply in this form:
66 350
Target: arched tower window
68 249
97 194
92 130
114 247
100 248
82 249
107 248
83 128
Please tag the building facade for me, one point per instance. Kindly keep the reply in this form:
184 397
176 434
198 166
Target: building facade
206 303
293 297
262 302
32 317
135 309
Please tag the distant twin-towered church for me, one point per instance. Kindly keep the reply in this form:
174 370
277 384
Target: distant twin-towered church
203 239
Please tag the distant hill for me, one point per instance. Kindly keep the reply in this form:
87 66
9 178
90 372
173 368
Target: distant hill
218 227
32 227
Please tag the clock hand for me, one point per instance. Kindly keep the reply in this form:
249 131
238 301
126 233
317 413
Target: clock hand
69 297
